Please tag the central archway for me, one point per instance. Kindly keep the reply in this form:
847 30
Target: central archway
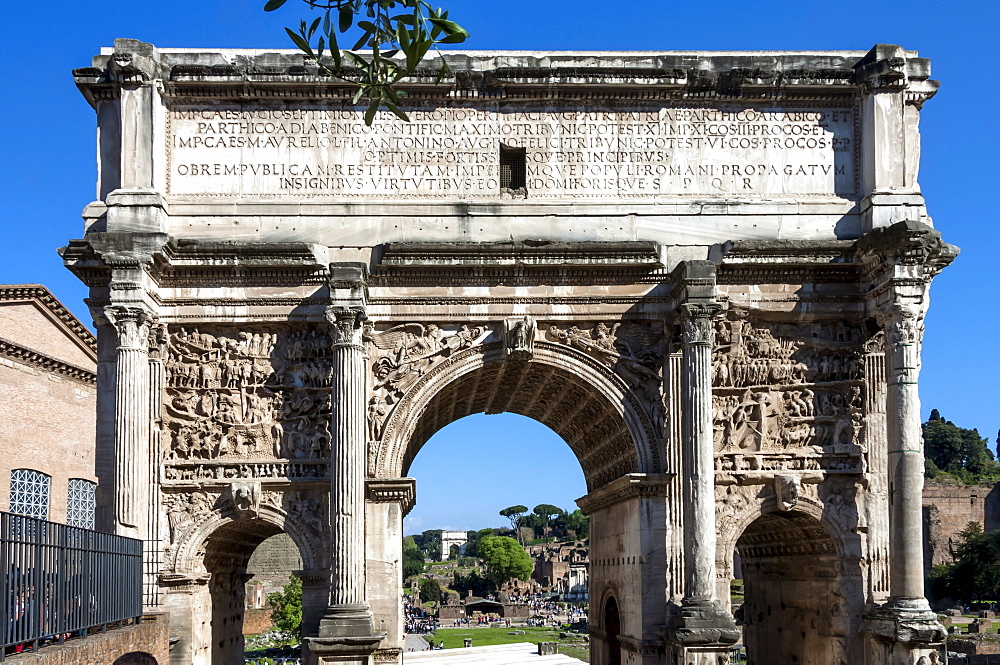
605 417
582 400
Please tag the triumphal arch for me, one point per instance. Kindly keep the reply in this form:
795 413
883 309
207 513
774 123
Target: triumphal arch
707 272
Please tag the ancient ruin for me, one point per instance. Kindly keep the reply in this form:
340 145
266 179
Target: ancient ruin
707 272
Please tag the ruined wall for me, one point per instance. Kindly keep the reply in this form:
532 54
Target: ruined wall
151 636
948 510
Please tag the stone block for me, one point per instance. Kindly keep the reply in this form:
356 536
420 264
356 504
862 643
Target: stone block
548 648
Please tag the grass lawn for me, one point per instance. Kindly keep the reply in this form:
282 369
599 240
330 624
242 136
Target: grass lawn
454 638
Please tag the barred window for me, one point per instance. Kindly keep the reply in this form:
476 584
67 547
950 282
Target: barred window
513 168
81 502
29 493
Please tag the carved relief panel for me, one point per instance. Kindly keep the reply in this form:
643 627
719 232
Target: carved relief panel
246 404
787 396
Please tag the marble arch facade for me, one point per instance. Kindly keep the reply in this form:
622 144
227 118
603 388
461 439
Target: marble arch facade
713 287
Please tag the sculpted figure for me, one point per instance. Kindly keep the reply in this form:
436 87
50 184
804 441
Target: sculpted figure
521 338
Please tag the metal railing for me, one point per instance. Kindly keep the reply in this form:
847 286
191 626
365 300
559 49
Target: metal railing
57 581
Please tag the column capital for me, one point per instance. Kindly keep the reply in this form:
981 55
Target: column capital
902 322
131 323
346 325
697 322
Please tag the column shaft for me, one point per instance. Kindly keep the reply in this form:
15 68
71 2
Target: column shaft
347 491
906 457
131 420
699 488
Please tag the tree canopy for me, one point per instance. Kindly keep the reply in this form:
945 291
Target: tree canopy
960 452
394 37
286 607
975 575
413 558
430 590
514 514
504 559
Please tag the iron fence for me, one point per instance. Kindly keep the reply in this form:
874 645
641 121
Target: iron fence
60 580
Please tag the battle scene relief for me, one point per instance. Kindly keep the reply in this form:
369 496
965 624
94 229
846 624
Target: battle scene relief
787 396
246 404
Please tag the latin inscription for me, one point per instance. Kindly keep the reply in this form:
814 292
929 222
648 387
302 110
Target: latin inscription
455 152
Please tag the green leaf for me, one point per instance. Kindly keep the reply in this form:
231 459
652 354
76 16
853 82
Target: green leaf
299 41
273 4
398 112
367 26
345 18
453 39
313 26
449 27
370 113
357 96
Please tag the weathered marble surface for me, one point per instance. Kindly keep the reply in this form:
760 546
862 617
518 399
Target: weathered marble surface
713 263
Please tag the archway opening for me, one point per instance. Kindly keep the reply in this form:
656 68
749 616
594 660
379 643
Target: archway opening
612 629
228 552
794 608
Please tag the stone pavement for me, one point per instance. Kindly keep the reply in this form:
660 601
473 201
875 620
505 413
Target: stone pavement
522 653
415 642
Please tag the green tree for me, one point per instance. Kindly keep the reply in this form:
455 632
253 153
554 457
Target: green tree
956 450
286 608
504 559
387 29
413 558
430 590
429 543
546 511
578 522
514 514
472 544
975 575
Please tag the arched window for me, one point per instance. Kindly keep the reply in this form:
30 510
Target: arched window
80 503
29 493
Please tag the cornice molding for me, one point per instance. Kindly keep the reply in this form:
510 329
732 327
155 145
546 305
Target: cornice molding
27 356
44 298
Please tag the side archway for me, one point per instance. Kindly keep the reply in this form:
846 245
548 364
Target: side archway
579 398
798 598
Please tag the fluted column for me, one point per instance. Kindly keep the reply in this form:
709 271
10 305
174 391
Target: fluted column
696 427
348 614
132 394
906 456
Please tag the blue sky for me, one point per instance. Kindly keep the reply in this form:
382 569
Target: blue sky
479 465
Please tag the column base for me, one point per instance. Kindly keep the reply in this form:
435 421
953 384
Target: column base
902 631
700 655
702 623
346 637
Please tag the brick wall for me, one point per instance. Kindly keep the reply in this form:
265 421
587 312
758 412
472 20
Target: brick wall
948 510
151 636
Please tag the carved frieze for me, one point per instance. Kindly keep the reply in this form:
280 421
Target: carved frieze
786 389
241 396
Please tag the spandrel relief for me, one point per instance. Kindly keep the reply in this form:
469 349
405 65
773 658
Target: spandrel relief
235 400
787 390
632 349
401 354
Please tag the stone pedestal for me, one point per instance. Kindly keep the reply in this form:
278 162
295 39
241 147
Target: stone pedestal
902 637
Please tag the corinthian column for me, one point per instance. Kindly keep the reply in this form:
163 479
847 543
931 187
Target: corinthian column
701 622
132 417
906 456
698 448
348 615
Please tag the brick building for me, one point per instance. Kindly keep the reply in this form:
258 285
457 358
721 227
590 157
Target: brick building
948 509
48 365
